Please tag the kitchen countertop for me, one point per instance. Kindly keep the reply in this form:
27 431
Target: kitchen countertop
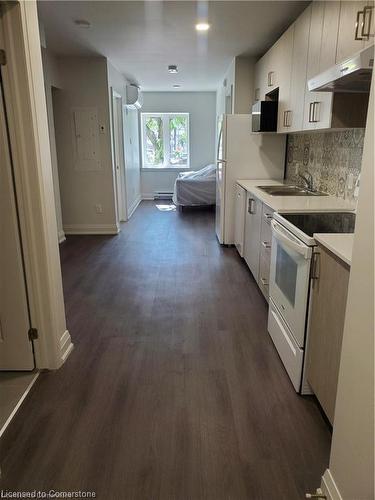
340 244
290 204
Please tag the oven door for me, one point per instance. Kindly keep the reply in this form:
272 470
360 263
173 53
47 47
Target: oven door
289 278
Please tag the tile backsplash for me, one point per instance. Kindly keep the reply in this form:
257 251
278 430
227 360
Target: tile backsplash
330 157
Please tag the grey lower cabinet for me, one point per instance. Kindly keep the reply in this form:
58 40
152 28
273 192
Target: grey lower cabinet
239 219
265 250
253 220
257 240
326 326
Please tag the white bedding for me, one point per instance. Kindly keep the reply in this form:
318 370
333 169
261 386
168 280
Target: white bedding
196 188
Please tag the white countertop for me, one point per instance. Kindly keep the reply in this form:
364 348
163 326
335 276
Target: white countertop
340 244
290 204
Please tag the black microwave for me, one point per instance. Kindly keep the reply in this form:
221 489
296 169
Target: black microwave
264 116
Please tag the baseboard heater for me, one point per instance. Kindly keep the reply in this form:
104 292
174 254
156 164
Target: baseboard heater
163 195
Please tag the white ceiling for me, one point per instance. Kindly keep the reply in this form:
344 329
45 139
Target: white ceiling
142 38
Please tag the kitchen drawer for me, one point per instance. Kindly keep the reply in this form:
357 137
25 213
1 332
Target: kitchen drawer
264 274
291 355
265 249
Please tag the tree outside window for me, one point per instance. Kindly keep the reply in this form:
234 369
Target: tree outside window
165 138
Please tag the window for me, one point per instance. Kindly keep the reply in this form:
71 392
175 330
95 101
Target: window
165 140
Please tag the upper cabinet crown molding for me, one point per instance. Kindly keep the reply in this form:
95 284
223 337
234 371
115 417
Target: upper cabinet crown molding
324 34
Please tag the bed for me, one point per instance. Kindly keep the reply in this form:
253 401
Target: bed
196 188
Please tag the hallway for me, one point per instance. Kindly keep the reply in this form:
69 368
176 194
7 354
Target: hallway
174 390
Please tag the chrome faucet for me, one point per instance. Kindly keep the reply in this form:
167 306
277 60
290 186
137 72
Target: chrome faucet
309 181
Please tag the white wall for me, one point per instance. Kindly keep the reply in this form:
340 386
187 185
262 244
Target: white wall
352 455
84 83
130 139
202 109
52 78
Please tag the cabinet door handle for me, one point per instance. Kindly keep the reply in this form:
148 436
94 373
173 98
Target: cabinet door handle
316 109
315 267
268 218
285 122
270 79
264 281
367 10
357 23
250 206
288 114
266 244
311 112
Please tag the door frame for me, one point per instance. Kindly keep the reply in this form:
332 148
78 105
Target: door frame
27 115
118 131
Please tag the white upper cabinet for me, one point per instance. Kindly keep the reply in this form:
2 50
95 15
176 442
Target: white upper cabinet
260 80
328 35
272 71
353 28
369 23
313 62
325 33
285 70
321 54
294 118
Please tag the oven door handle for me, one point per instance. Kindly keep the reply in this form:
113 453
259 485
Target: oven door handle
282 235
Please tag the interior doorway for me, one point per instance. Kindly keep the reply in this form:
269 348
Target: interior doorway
118 157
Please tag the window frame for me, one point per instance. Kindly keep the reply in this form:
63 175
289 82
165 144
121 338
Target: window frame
166 141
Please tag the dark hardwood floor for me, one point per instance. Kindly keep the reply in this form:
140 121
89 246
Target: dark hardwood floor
174 390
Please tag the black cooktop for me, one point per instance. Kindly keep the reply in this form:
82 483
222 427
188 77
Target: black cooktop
323 222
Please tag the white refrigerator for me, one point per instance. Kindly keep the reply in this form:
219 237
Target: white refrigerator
242 154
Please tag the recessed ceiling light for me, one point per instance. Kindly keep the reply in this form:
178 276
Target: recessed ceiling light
202 27
82 23
176 86
172 68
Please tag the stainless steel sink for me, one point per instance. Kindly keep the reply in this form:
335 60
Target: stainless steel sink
283 190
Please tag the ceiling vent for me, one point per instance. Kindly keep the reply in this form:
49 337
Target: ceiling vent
134 97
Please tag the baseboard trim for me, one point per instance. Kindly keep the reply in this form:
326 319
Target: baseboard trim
91 229
329 486
66 345
147 196
134 206
61 236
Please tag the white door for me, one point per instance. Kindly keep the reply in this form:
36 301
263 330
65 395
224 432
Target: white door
253 222
118 154
16 350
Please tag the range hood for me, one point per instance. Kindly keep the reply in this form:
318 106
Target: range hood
351 75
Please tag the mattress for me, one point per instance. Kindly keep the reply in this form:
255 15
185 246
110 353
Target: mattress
196 188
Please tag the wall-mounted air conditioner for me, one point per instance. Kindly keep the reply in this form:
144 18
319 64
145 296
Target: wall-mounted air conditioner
134 97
